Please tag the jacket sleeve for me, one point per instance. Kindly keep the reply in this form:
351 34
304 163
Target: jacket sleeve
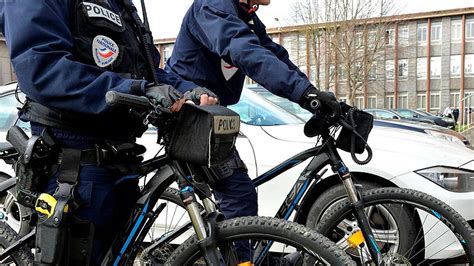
228 36
41 46
169 77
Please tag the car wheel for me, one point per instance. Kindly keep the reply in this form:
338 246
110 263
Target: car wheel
12 213
329 198
385 218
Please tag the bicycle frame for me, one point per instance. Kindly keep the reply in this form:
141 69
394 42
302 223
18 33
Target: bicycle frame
323 155
144 215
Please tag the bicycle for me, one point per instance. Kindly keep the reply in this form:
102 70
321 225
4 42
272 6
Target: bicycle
374 215
214 238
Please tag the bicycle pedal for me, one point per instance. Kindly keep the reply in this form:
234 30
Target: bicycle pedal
46 204
356 239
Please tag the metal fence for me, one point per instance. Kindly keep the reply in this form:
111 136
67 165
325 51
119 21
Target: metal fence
465 120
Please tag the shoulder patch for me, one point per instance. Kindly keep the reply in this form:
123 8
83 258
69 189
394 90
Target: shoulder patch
104 50
97 11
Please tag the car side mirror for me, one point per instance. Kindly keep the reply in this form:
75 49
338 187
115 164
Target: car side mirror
395 117
415 116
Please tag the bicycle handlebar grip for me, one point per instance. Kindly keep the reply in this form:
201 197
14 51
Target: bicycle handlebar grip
114 98
17 137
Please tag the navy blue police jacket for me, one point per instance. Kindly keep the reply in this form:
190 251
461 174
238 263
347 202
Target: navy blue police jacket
41 47
219 44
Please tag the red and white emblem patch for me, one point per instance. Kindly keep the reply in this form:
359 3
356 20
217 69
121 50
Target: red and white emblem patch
104 50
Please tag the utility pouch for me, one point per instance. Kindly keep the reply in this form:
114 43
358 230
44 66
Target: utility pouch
204 135
79 239
362 122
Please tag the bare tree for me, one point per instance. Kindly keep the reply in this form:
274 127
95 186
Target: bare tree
348 38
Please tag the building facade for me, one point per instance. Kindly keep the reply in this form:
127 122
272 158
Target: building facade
402 77
6 69
427 63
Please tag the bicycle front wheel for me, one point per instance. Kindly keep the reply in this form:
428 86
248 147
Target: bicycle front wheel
410 227
266 241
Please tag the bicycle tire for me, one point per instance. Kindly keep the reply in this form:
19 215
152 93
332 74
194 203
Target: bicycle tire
427 213
7 237
267 228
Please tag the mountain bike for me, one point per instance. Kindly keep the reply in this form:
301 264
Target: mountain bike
263 240
381 226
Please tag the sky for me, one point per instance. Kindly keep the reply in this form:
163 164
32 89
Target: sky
165 16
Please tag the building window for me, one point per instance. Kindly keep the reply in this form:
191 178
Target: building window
455 66
435 101
312 73
402 101
332 72
470 29
422 34
372 39
302 43
372 102
469 65
373 72
436 33
359 102
167 51
469 100
389 69
403 68
421 68
435 67
456 31
403 36
421 101
341 75
389 102
454 100
390 37
359 40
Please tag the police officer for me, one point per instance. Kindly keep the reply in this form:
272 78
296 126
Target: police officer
220 42
67 54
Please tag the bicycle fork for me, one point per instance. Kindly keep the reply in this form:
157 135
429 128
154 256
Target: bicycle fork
357 204
207 238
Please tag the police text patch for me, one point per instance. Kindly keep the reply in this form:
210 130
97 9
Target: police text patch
104 50
96 11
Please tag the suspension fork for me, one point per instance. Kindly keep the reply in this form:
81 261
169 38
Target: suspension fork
357 203
204 228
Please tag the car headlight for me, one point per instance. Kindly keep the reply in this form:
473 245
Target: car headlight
452 179
444 136
447 119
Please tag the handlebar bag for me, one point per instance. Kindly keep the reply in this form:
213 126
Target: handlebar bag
362 123
204 135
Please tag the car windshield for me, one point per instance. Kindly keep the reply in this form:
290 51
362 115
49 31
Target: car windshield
406 113
256 110
286 104
8 112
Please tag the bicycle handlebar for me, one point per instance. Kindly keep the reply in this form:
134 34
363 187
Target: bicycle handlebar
114 98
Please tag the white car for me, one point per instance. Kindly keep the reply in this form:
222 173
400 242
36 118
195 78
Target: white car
270 135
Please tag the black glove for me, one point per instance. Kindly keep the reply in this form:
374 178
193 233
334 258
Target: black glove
195 94
163 94
330 105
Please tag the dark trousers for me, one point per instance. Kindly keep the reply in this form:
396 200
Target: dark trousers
104 201
237 197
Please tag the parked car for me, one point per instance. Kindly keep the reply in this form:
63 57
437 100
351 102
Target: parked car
428 117
384 118
270 135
